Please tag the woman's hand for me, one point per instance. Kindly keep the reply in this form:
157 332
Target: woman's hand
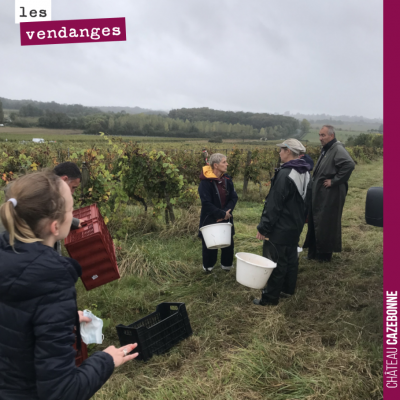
228 215
82 318
261 237
119 356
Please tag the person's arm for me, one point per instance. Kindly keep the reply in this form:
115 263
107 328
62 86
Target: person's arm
56 374
274 205
206 201
345 165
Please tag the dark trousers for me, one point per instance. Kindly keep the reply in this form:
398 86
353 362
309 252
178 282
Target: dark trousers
312 243
284 275
210 256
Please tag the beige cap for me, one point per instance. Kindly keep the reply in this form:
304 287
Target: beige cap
294 145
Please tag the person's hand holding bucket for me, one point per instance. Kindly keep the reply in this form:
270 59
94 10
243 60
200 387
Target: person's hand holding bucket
261 237
227 216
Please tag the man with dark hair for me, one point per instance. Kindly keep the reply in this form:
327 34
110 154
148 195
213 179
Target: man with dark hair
70 173
328 194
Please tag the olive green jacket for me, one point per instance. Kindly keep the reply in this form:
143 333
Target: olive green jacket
327 203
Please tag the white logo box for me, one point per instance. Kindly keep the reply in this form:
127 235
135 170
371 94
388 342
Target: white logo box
32 10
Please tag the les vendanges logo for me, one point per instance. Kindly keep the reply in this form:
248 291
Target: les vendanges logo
36 27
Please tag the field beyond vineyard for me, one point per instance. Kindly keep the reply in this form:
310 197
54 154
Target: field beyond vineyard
73 135
323 343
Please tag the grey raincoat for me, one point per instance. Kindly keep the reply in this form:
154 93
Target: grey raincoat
327 203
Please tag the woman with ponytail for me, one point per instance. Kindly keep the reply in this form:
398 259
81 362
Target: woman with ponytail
38 309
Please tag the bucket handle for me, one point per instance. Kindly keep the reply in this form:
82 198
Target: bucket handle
267 240
207 217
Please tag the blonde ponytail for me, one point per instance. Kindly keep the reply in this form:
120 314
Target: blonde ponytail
38 199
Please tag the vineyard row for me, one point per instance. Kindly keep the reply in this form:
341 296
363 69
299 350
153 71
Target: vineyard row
115 172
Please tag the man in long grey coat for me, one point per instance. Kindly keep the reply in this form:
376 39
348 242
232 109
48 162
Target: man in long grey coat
328 193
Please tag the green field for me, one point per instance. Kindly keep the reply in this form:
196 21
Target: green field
159 143
69 138
323 343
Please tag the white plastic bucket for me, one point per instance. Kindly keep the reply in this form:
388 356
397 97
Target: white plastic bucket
217 236
252 270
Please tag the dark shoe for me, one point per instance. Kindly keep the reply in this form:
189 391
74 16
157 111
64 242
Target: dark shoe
261 302
285 295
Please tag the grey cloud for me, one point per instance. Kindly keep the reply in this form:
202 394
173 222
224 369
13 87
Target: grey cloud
311 56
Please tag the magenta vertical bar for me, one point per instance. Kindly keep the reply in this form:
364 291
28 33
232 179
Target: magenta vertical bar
391 282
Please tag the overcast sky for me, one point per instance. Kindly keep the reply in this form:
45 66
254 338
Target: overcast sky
308 56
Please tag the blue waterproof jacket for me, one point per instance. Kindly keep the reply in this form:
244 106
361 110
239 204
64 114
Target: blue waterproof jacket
38 312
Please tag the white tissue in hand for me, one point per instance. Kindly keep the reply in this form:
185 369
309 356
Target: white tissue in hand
92 332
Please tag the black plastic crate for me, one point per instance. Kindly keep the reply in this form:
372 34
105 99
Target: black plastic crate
158 332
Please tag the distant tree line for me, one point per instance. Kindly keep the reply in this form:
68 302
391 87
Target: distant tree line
157 125
241 125
32 108
132 110
57 120
201 122
257 120
148 125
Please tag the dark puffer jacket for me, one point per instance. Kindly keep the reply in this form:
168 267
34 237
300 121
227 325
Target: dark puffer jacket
38 312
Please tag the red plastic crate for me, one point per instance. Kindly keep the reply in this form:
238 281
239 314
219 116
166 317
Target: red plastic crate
81 355
90 212
87 213
93 248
